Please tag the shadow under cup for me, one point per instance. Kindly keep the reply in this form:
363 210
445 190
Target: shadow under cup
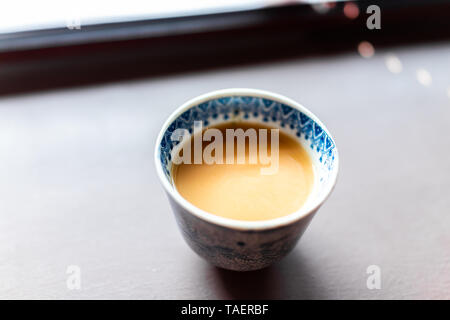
247 245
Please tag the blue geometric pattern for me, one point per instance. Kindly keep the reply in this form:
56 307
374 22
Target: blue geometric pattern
248 108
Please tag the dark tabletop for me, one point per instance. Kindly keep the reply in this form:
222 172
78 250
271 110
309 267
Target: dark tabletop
78 186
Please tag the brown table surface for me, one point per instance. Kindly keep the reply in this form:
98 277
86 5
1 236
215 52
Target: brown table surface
78 186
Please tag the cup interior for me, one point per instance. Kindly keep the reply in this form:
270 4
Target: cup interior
255 106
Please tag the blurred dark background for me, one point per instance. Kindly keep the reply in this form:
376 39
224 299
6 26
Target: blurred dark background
115 48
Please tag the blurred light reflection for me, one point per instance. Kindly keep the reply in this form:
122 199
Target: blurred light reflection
366 49
424 77
393 63
351 10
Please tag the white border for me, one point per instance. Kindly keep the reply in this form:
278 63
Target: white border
240 224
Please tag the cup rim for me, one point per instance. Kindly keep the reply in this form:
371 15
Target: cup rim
289 219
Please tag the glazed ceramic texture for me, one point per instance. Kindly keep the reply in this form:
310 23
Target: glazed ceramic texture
238 250
239 245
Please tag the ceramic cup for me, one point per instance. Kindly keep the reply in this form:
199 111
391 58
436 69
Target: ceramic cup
247 245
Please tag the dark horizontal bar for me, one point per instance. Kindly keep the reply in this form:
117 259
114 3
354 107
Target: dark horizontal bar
62 57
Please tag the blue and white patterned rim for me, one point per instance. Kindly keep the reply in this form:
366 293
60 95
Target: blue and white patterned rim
248 108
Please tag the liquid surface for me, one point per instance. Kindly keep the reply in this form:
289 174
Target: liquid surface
241 191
